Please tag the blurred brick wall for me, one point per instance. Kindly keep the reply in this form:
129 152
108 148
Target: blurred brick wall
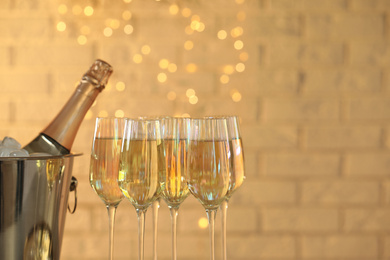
315 110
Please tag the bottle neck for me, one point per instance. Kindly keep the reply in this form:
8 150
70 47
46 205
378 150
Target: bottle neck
65 125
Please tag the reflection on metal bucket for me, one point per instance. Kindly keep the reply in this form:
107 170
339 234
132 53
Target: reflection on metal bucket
38 244
33 202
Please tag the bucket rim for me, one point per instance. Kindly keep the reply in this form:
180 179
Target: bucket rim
40 157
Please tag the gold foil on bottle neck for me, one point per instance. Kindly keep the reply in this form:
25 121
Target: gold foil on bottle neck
99 72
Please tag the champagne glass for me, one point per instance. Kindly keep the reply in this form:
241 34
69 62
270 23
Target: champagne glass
208 166
155 208
174 188
138 169
104 165
236 174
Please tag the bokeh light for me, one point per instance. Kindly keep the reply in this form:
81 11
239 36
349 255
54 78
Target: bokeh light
108 86
236 96
188 45
126 15
222 34
228 69
240 67
146 49
162 77
173 9
191 68
224 79
188 30
172 67
128 29
82 40
203 223
238 45
163 63
119 113
114 23
107 32
62 9
236 32
171 95
88 115
193 100
195 17
120 86
190 92
88 10
244 56
197 26
61 26
137 58
186 12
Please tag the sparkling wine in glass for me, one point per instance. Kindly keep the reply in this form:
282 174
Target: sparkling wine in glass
208 166
236 174
104 167
174 188
139 167
155 208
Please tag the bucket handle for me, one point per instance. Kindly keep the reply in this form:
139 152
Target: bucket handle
73 187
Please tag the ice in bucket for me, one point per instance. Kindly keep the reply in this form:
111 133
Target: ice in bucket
9 147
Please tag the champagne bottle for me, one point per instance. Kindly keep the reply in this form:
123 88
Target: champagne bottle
57 138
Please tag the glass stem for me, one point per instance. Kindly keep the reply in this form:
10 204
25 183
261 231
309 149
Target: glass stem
156 205
174 213
224 207
111 220
211 217
141 232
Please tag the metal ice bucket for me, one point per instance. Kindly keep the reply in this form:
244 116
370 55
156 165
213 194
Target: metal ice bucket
33 203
